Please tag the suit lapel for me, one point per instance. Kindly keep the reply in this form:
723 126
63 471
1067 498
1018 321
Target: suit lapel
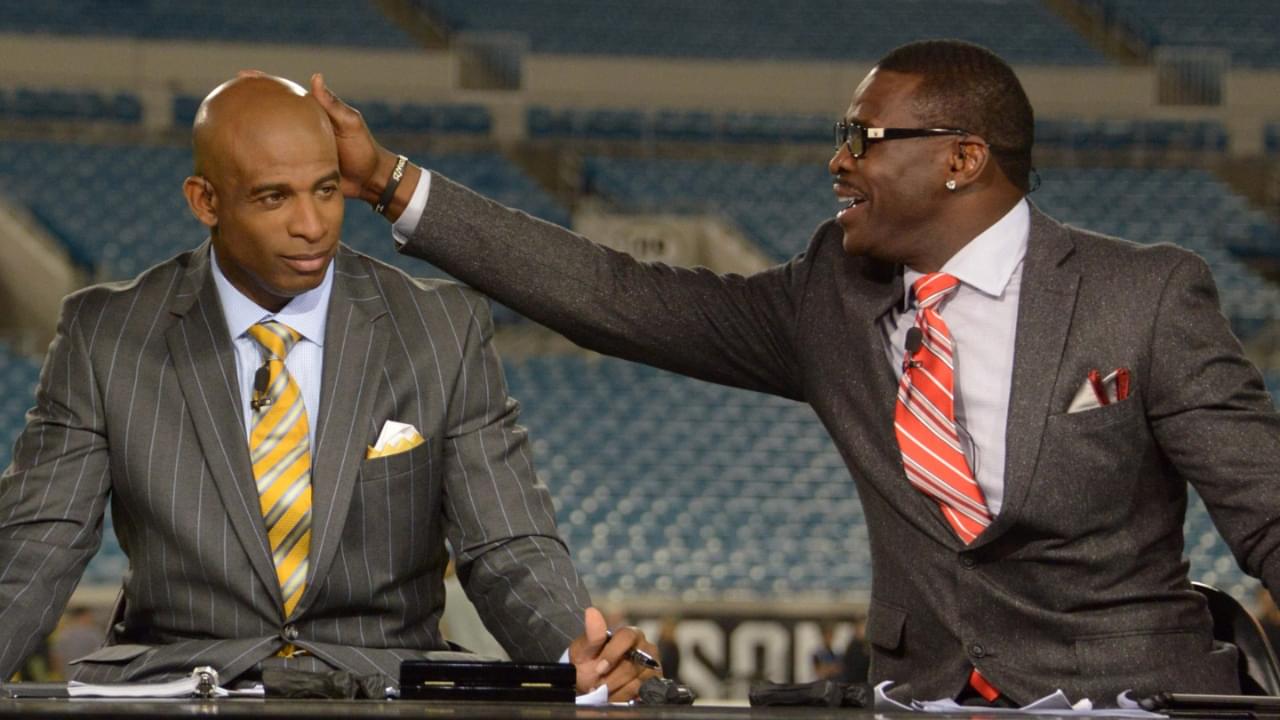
355 346
1045 309
204 362
868 299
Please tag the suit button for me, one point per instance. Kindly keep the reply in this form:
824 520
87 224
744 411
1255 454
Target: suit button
977 651
967 561
291 632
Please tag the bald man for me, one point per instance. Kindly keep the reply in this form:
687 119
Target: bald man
287 432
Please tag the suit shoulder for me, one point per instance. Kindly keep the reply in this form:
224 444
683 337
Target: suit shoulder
151 288
827 236
1108 247
396 284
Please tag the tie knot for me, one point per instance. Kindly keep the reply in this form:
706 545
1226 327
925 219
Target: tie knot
931 289
276 338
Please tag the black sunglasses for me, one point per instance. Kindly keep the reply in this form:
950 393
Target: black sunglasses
858 136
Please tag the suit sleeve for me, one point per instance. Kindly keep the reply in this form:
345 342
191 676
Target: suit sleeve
511 560
1214 419
52 496
728 329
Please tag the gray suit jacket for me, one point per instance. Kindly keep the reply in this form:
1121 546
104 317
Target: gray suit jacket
138 406
1080 582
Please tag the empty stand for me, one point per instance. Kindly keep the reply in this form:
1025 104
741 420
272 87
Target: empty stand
18 377
384 117
1122 134
1186 207
28 104
1246 28
119 208
669 485
309 22
1020 30
615 124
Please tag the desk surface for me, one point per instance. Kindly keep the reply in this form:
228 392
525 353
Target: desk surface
98 709
280 709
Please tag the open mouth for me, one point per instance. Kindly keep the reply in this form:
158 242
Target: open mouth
847 196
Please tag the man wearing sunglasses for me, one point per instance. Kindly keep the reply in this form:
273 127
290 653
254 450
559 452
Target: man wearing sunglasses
1021 404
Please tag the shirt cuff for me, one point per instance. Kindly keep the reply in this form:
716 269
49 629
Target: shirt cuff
408 221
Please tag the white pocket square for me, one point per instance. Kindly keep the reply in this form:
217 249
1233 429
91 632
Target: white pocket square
396 437
1098 391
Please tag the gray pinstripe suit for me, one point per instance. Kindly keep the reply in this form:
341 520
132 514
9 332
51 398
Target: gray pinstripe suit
137 405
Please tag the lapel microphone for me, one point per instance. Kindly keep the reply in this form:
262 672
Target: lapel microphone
915 340
263 377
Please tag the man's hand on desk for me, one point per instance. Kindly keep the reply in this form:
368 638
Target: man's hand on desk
607 658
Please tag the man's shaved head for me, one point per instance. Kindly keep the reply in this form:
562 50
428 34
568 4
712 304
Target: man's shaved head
236 106
266 184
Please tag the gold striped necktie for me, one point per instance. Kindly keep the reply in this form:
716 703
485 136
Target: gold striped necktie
280 448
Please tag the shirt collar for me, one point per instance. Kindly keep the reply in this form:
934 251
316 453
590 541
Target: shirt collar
987 262
305 313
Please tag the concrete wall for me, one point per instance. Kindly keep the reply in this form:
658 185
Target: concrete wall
35 275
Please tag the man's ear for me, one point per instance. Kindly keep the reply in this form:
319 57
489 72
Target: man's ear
969 159
201 199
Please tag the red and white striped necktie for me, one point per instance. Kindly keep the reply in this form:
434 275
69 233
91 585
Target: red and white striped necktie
925 419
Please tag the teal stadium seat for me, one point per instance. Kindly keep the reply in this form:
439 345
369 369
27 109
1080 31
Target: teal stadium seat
1246 28
309 22
1020 30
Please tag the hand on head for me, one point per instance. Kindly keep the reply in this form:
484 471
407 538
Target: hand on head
361 159
605 659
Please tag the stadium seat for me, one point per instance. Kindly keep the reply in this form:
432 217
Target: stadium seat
1246 28
309 22
1020 30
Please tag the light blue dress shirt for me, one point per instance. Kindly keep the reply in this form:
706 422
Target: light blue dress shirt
982 316
305 313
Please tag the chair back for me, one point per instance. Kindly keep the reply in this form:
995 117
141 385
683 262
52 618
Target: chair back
1233 623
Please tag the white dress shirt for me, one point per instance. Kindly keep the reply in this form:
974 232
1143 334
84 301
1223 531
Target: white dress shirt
408 220
982 316
305 313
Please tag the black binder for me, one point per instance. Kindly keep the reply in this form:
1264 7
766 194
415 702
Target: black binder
488 681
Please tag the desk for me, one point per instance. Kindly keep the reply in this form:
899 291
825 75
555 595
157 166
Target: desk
281 709
287 709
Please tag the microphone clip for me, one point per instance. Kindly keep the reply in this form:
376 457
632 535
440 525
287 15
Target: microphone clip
261 380
915 341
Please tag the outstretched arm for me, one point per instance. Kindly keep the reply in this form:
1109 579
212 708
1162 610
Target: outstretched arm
728 329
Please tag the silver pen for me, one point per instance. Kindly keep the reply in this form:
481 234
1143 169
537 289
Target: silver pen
636 655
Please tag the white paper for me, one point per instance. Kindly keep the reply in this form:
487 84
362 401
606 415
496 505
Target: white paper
180 688
599 696
1055 703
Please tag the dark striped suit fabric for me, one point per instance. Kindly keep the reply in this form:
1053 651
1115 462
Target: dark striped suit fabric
137 406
